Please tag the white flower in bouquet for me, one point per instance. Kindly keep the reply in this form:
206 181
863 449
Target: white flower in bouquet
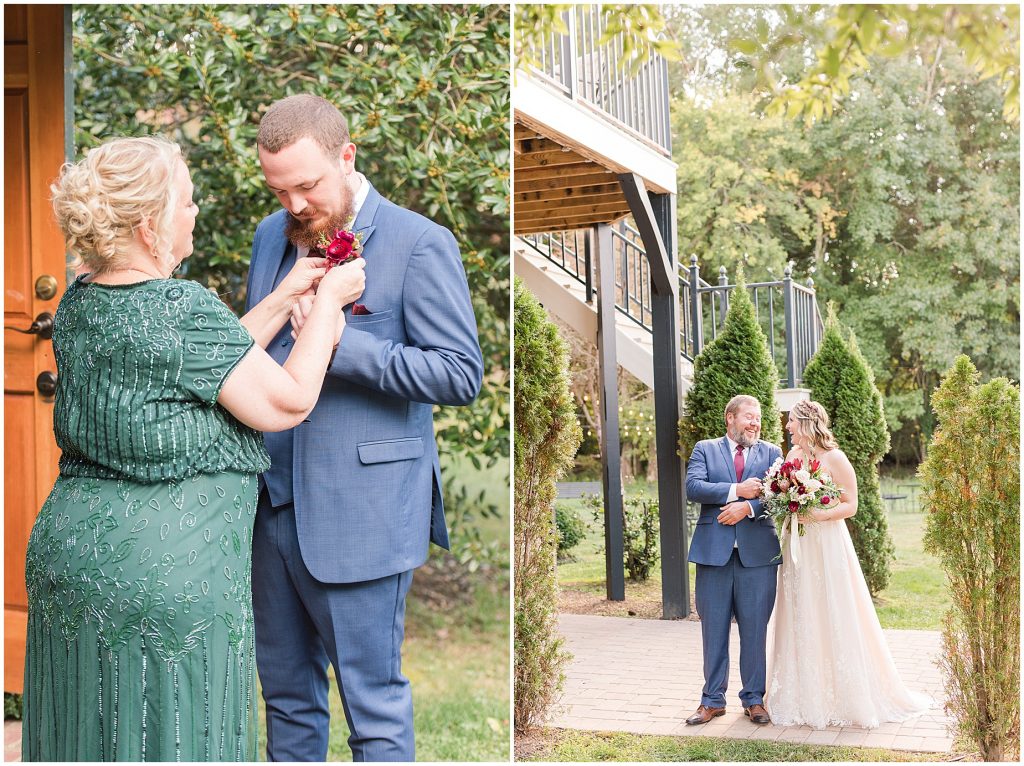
802 476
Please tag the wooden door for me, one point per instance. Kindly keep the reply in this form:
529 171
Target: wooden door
34 149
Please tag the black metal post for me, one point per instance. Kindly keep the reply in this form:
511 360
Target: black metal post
696 312
611 477
787 306
655 216
723 282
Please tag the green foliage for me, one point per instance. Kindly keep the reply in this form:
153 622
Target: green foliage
743 198
426 93
13 706
640 522
547 436
640 28
571 529
971 486
846 36
905 208
736 362
842 382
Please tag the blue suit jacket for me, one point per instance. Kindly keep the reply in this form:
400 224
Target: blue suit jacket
366 476
709 475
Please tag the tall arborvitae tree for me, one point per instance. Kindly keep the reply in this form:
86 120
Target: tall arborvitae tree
842 382
971 483
547 437
736 362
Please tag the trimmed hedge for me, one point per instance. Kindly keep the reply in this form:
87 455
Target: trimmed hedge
841 381
971 485
736 362
547 435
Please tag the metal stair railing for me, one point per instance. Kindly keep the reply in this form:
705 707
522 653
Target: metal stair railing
786 310
584 68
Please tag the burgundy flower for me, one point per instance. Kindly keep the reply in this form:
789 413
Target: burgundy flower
801 490
825 500
775 487
342 249
794 506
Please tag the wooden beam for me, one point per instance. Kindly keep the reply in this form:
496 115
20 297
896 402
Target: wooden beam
558 182
541 145
556 223
580 208
583 168
548 159
570 192
543 228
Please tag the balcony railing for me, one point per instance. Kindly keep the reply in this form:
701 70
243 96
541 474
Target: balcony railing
590 72
786 310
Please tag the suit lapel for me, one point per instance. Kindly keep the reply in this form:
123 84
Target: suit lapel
363 225
751 456
724 444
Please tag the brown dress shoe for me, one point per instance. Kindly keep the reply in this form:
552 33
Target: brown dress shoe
704 714
757 714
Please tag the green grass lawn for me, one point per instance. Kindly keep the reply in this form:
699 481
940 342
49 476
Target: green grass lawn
457 659
916 598
578 746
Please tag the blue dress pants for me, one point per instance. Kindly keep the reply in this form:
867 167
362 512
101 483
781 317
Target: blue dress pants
748 593
301 625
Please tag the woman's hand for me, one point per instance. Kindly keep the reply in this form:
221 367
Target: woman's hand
347 281
344 283
303 278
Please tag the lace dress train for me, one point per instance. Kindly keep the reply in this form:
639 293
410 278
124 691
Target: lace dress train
828 662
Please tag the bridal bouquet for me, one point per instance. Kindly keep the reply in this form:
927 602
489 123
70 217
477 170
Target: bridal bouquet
791 491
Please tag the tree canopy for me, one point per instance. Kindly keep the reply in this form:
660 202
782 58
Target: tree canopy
903 206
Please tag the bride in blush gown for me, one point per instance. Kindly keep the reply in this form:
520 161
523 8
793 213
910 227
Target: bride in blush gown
828 662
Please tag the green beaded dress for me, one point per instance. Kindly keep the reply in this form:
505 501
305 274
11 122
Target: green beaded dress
140 628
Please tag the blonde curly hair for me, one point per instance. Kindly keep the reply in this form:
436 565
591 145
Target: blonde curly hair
814 424
118 186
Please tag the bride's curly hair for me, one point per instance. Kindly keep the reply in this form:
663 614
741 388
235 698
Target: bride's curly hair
814 424
100 200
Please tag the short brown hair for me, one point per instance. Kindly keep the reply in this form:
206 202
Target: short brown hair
303 116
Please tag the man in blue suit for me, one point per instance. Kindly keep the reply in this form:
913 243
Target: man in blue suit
353 496
736 556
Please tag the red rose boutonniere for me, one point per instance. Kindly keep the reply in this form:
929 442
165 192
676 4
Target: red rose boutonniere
343 248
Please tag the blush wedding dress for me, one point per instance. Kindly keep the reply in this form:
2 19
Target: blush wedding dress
828 662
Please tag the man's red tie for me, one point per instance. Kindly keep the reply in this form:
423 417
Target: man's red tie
739 463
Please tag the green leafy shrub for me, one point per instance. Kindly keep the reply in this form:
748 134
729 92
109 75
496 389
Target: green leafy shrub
736 362
971 490
841 381
571 529
640 527
13 706
547 436
426 92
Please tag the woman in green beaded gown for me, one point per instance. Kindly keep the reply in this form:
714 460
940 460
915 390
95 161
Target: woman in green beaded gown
140 631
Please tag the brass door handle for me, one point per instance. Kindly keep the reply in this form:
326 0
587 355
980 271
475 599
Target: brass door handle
42 326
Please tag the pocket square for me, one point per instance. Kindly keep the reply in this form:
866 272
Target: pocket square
358 309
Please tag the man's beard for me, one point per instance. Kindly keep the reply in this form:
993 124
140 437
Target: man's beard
302 234
741 437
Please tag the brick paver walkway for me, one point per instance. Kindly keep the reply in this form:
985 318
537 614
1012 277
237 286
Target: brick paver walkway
12 741
645 676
